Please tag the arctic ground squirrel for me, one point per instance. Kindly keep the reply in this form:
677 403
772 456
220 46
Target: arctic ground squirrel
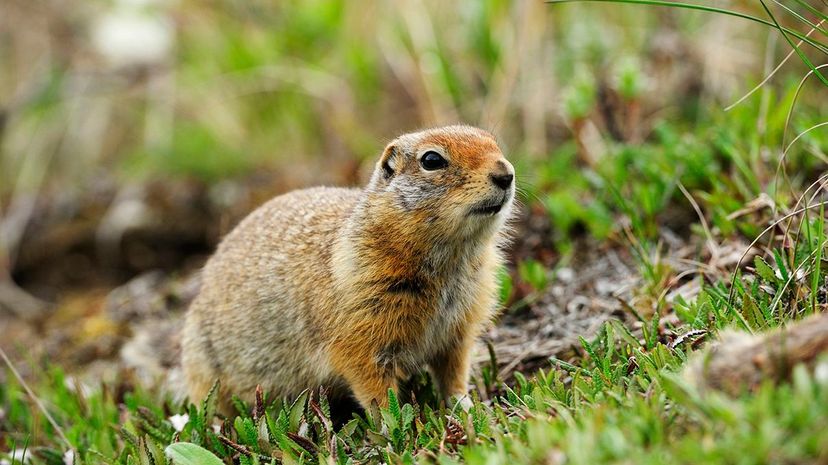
356 289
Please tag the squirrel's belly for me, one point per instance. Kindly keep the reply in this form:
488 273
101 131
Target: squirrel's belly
442 328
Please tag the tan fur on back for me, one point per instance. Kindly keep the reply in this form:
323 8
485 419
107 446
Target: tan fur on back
356 288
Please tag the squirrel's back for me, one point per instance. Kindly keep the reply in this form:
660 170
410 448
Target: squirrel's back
280 254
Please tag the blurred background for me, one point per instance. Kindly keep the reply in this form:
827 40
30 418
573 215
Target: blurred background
135 133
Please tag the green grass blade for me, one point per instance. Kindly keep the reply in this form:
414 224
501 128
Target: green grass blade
802 18
796 48
813 10
690 6
815 273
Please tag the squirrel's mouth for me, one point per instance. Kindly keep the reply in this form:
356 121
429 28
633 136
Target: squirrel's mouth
488 208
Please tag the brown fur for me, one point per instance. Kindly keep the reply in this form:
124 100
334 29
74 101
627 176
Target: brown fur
357 288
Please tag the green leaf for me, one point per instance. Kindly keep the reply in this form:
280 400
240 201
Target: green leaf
248 434
407 416
394 405
533 272
506 285
780 262
186 453
764 270
297 410
390 420
208 405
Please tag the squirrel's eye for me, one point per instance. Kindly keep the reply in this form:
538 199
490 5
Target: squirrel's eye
432 160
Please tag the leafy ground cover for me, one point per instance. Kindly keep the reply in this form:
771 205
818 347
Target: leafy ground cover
623 401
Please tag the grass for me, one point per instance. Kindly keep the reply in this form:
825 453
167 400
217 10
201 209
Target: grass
623 401
621 398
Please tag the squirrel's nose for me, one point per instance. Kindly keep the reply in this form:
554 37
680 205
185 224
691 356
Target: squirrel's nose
503 181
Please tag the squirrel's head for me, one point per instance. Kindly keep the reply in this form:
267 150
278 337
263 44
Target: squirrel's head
454 178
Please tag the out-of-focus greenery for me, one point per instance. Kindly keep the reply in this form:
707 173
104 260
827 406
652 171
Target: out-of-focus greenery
585 107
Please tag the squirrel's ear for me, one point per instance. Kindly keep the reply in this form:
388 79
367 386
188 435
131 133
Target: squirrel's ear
389 161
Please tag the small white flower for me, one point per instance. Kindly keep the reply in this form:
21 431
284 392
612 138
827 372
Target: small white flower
69 457
127 37
17 456
179 421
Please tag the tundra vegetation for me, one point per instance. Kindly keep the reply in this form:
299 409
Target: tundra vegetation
671 167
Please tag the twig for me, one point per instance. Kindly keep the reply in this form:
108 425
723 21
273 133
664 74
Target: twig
743 361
